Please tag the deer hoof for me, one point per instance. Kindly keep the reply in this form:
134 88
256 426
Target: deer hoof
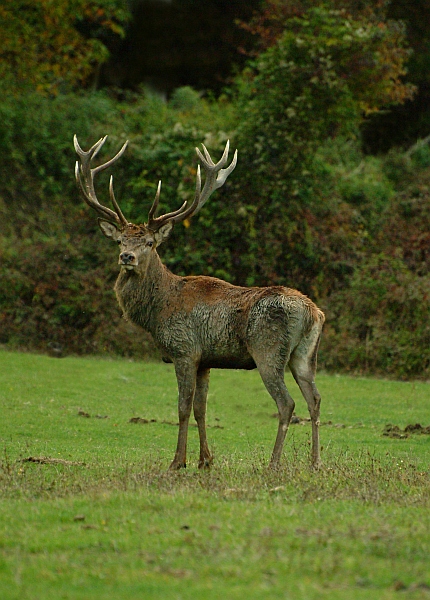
206 463
316 465
274 465
175 465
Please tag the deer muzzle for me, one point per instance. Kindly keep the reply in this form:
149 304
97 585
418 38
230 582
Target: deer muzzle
128 260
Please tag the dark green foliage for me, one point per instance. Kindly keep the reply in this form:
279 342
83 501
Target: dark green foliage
355 237
54 47
56 294
406 123
380 325
303 208
380 322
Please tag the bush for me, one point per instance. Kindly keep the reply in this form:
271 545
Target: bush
380 324
337 239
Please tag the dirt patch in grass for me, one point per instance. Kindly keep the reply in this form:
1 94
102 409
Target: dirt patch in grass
143 421
82 413
394 431
46 460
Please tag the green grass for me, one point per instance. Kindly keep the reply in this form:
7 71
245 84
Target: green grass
112 523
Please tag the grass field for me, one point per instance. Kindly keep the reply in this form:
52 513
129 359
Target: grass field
95 515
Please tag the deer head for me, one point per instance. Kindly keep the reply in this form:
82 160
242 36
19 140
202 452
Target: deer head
137 242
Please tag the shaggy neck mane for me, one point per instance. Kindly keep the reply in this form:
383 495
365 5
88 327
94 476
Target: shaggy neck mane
142 298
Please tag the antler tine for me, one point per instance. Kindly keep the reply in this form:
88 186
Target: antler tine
115 203
178 215
92 151
155 223
207 155
105 212
215 178
181 214
207 160
85 179
112 160
215 174
154 206
224 173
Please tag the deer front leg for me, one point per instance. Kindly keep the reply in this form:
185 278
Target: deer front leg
186 376
200 401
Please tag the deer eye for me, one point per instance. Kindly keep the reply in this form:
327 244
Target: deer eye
150 243
118 242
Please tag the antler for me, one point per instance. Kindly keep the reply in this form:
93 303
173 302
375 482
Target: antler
215 174
215 178
85 179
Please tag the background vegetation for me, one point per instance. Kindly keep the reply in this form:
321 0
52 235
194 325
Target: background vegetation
306 207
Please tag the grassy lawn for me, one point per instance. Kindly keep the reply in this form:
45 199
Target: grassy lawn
99 517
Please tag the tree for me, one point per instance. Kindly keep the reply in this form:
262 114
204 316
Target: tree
325 72
320 77
399 21
55 45
406 123
369 50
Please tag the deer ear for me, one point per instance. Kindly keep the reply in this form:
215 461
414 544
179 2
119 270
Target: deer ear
163 233
110 230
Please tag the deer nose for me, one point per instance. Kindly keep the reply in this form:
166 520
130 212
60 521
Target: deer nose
127 258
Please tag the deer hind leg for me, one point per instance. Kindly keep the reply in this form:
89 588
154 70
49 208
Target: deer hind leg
186 376
200 400
273 379
303 363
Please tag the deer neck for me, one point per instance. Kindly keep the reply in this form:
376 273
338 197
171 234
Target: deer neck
143 296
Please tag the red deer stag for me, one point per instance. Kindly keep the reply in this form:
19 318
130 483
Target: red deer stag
202 322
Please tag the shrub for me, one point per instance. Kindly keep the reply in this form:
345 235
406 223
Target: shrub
380 324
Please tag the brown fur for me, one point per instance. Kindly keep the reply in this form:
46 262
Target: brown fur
201 323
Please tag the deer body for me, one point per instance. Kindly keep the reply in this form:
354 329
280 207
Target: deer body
209 320
200 323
